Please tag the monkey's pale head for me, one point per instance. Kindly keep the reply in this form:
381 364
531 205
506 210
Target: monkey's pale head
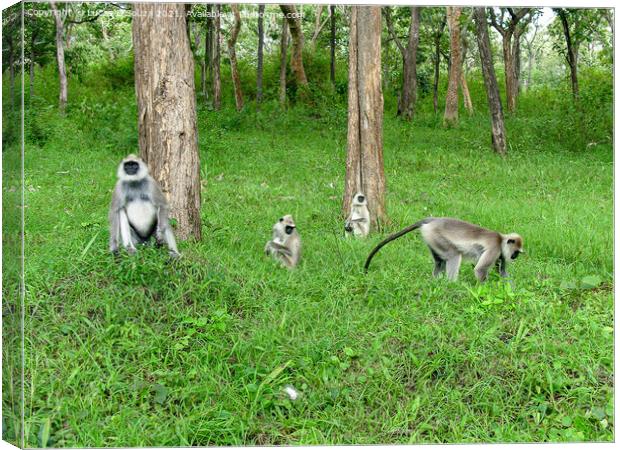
359 199
132 168
285 225
512 246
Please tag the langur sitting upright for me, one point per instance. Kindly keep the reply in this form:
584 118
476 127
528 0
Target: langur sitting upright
358 222
285 244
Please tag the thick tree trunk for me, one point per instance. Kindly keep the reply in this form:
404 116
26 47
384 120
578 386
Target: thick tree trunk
332 45
283 46
217 79
571 54
60 57
232 54
259 65
297 35
164 77
498 131
364 167
451 114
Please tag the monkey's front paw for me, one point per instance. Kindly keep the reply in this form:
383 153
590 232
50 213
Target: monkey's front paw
174 255
131 251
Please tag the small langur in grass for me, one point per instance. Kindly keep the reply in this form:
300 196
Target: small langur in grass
139 209
285 245
358 222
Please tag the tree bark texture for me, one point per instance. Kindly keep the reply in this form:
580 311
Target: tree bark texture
259 65
232 55
164 78
297 35
60 57
407 99
364 166
283 47
463 79
571 54
451 114
498 131
437 41
332 45
217 79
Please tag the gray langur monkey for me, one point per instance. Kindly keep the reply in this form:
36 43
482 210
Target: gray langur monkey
358 222
139 209
285 244
451 240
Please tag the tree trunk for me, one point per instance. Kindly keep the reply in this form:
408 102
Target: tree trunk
364 167
259 65
297 35
466 96
410 81
332 45
232 41
571 54
206 66
60 58
283 46
318 26
498 131
451 114
436 62
217 79
463 79
164 77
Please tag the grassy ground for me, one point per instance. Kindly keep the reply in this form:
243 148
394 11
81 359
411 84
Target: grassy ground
144 352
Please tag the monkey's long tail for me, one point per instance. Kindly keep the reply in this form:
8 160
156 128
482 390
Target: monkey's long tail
390 238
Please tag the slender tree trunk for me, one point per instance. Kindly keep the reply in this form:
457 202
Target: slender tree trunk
498 131
410 81
451 114
463 80
164 77
206 66
364 167
11 50
466 96
259 65
332 45
33 37
530 62
509 70
60 58
571 54
217 79
297 35
318 26
232 41
283 46
436 62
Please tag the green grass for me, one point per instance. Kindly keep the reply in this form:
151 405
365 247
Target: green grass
145 352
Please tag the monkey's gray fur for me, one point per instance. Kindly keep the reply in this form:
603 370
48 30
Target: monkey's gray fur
285 244
139 209
451 240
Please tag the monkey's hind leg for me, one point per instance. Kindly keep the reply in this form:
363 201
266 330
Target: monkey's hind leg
440 264
452 267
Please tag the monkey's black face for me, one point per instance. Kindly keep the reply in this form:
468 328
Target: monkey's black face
515 255
288 229
131 167
360 198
